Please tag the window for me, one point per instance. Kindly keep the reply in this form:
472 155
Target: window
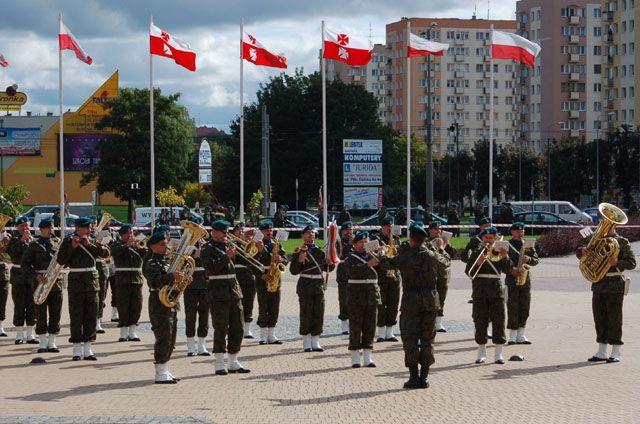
597 31
597 50
597 68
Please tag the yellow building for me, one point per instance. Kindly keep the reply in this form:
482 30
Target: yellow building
40 172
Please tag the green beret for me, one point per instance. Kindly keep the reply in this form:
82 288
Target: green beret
83 221
46 223
517 226
221 225
434 224
360 235
489 230
266 225
124 228
22 220
417 229
162 227
346 225
387 220
485 220
157 237
93 217
308 228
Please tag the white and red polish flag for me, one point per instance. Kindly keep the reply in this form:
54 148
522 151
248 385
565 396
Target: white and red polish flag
68 42
253 51
419 46
505 45
353 50
163 44
3 61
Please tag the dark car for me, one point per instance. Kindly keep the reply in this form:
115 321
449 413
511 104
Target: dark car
541 218
497 212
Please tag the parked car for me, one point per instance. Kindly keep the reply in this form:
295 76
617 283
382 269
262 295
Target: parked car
288 224
143 215
70 219
302 219
497 211
77 209
564 209
541 218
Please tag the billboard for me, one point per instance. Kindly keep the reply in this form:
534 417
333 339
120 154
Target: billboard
362 150
362 197
205 176
20 141
362 174
81 151
204 155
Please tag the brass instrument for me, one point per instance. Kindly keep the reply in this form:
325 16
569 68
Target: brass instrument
42 290
490 254
595 264
522 267
246 249
104 221
142 243
3 222
182 262
274 274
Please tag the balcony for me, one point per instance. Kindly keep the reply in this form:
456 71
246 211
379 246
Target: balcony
574 58
382 78
430 90
459 74
486 123
459 106
459 90
574 95
356 77
487 106
487 58
574 114
487 42
459 58
574 39
609 16
458 42
575 133
487 74
574 76
382 92
610 104
610 82
574 20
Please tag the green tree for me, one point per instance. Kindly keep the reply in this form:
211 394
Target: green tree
124 158
11 198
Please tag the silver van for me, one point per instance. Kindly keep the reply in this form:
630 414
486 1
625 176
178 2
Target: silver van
566 210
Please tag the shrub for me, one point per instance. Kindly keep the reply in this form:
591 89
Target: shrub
558 242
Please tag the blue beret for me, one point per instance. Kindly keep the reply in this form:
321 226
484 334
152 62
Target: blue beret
308 228
22 220
346 225
157 237
416 229
387 220
434 224
489 230
360 235
485 220
266 225
221 225
124 228
517 226
83 221
46 223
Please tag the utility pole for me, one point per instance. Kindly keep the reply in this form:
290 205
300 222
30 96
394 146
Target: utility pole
455 129
265 171
429 197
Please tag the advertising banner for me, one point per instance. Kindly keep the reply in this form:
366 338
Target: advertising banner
362 174
81 151
362 197
204 156
20 141
205 176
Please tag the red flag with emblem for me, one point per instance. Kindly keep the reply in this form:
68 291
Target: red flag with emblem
163 44
347 48
3 61
253 51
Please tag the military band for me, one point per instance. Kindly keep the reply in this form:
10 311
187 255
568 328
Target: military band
389 283
442 279
346 245
246 273
21 289
4 293
196 309
102 265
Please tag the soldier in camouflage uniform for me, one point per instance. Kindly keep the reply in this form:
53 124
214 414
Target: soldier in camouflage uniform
346 245
246 274
419 265
607 299
488 295
364 300
389 282
102 265
519 296
35 261
79 253
196 308
309 262
164 320
442 282
21 289
475 241
128 259
4 293
225 299
268 303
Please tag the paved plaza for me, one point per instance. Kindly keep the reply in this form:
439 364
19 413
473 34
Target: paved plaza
553 384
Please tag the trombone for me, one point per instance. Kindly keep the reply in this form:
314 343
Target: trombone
490 254
246 249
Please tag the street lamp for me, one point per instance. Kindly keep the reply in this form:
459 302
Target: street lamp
455 129
429 117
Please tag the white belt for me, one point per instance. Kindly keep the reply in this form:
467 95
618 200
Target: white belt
129 269
312 276
41 271
15 266
198 268
222 277
492 276
370 281
239 266
91 269
613 274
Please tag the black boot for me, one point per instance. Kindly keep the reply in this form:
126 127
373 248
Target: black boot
424 374
413 382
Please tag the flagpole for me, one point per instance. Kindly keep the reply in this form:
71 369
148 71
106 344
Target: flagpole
61 134
241 219
151 136
408 127
491 133
325 214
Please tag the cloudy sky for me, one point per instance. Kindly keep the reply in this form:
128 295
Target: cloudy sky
114 32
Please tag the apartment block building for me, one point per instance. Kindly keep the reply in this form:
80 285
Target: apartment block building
460 83
374 77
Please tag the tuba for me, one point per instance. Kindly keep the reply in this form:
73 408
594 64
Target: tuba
182 262
274 274
595 265
52 274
